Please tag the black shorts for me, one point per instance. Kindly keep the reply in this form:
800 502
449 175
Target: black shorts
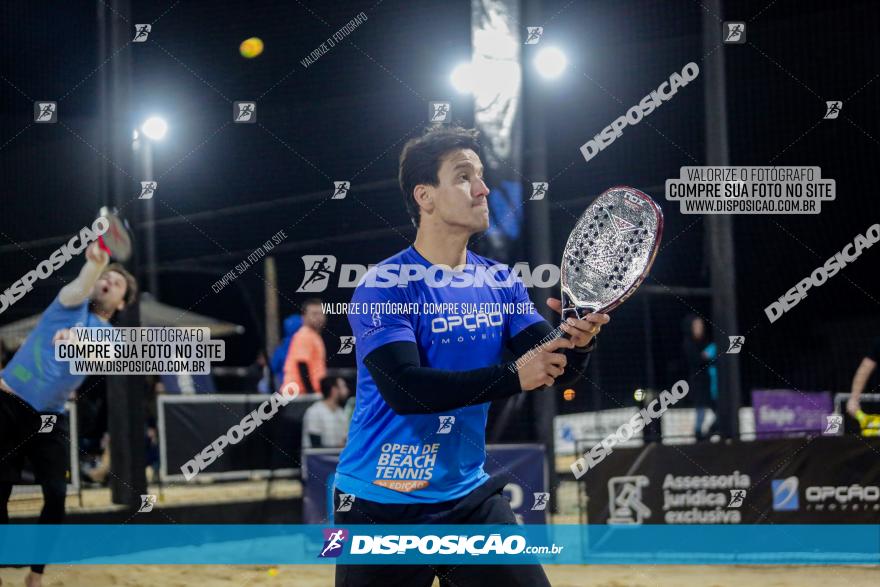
485 505
20 438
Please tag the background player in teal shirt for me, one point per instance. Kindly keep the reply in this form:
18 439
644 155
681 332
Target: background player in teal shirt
34 385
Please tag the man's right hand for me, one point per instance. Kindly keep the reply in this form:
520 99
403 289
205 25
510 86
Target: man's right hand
96 254
542 365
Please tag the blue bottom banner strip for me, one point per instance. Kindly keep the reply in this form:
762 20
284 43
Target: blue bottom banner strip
413 544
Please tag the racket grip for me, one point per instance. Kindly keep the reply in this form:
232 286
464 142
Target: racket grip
103 246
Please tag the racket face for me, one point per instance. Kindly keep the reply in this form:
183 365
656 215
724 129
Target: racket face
610 251
117 240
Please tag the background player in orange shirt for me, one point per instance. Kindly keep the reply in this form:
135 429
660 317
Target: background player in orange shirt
306 362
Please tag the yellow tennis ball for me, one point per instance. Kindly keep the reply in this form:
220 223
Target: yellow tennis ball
250 48
272 572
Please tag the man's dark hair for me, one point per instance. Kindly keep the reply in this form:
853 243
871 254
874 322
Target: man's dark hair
421 158
310 302
131 285
327 385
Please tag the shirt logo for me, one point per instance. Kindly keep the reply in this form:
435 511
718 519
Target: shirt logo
470 322
333 540
446 423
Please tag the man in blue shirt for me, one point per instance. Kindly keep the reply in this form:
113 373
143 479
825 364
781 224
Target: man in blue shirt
432 323
34 386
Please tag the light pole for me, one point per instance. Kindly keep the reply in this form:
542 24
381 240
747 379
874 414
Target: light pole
153 129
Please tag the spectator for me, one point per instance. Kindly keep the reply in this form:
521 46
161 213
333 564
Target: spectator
279 356
699 354
306 362
325 424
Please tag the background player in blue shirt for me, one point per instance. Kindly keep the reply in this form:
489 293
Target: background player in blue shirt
416 445
35 384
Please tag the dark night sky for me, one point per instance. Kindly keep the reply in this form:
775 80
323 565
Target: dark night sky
347 116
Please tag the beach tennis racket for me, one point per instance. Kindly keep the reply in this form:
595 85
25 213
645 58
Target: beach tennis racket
117 240
608 254
610 251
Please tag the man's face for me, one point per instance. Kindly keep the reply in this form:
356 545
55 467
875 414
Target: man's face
314 316
460 199
340 391
698 328
108 294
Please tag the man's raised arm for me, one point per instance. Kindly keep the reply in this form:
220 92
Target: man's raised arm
79 290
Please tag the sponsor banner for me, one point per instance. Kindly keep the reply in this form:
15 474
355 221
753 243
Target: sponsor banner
824 480
523 465
785 410
575 432
191 424
277 544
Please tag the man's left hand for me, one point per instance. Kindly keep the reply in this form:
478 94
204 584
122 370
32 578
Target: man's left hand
580 331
